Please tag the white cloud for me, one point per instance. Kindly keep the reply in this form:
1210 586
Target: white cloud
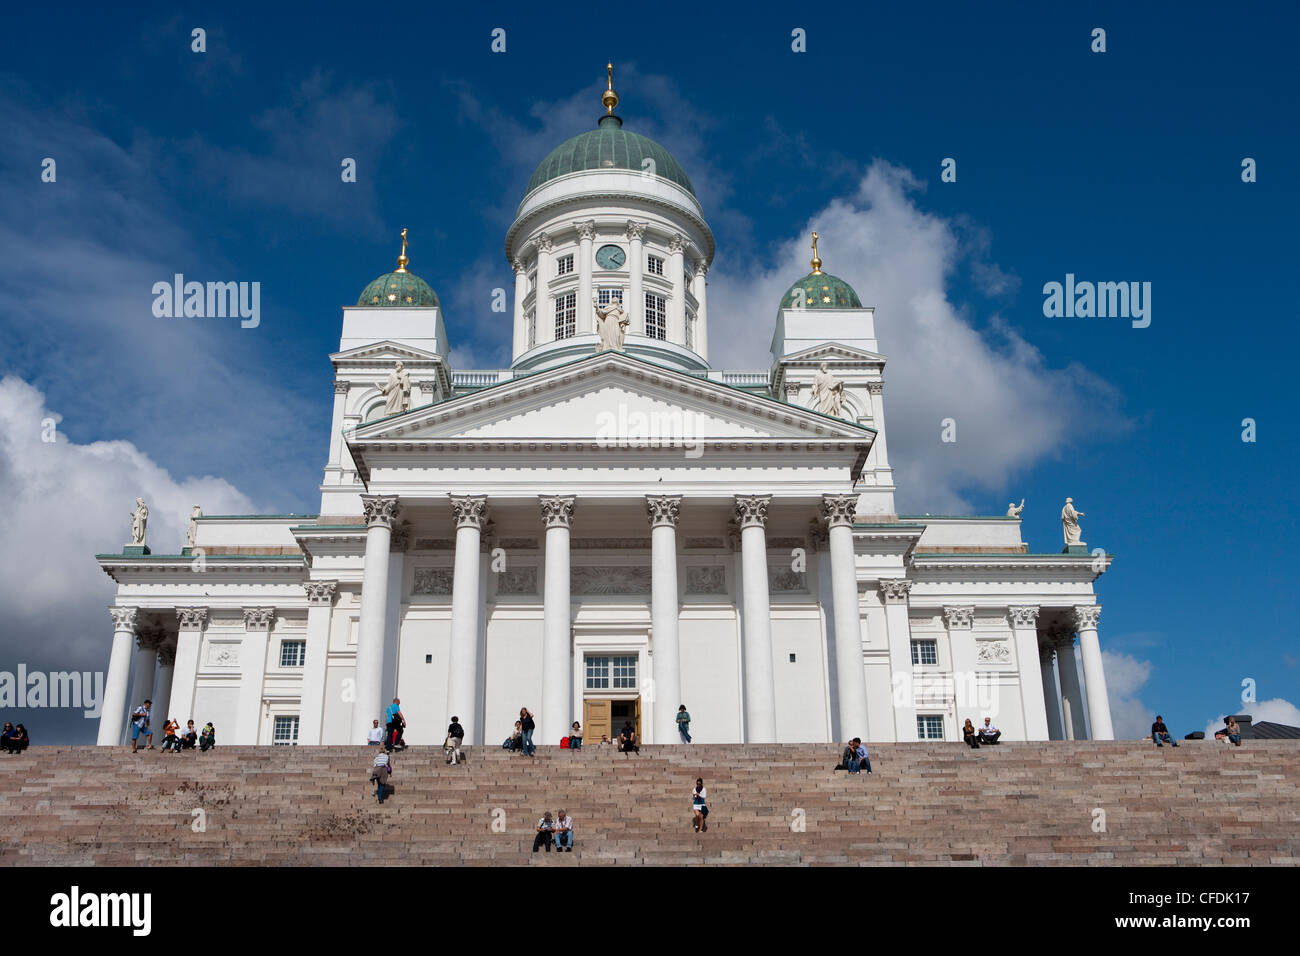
1277 711
65 502
1125 677
1012 409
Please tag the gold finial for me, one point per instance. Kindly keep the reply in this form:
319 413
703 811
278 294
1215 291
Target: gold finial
402 260
609 99
816 261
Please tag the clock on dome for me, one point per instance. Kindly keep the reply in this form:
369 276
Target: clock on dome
610 257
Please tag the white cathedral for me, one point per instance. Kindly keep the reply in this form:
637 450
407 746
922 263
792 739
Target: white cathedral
609 528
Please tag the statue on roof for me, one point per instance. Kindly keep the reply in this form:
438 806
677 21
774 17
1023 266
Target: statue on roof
139 522
1070 524
1013 510
195 513
827 393
397 390
612 322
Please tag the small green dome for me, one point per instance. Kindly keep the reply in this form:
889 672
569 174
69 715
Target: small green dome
399 288
609 147
821 290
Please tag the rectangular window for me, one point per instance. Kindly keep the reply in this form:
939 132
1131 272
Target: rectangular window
690 329
929 727
656 316
286 732
531 320
564 265
606 296
597 673
293 653
655 266
624 673
566 315
925 652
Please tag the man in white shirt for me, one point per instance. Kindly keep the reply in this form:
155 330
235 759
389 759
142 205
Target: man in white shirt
376 736
380 771
989 734
140 726
564 833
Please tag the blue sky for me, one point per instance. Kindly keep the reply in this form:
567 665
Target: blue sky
1121 166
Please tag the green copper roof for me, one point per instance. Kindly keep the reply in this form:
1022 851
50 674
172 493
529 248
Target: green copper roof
398 289
609 147
821 290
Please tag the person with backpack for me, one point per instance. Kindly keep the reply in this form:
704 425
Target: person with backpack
526 727
455 737
140 726
396 727
380 770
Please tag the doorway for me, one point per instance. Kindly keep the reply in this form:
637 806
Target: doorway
604 715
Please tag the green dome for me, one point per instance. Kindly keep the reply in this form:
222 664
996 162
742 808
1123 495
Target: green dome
401 288
609 147
821 290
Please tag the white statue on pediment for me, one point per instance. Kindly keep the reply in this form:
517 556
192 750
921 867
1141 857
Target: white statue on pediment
397 390
1070 524
612 322
827 393
139 522
1013 510
195 513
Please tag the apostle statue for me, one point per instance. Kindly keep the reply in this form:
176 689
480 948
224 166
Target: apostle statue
1070 522
612 322
397 390
195 513
1013 510
827 393
139 522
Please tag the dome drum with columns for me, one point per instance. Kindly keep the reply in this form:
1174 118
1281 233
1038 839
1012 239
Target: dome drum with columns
611 526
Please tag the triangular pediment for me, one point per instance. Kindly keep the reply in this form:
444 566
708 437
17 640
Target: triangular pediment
610 395
832 352
382 352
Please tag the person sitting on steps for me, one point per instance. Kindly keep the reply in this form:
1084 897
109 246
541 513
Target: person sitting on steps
627 739
989 734
700 805
563 833
545 829
968 734
575 736
1160 733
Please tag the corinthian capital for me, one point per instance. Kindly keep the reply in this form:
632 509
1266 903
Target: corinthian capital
677 244
380 510
191 618
517 264
557 510
701 270
895 590
635 230
959 618
587 230
1086 616
320 593
543 242
663 509
258 618
123 618
469 511
818 535
148 638
167 655
341 386
751 510
1022 617
839 510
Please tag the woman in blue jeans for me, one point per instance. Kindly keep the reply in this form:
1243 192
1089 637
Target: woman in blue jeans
527 726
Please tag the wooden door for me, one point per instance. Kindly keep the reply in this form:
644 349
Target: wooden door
636 719
596 720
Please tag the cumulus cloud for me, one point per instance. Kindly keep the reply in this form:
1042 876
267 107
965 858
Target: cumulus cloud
1012 409
65 502
1277 711
1125 678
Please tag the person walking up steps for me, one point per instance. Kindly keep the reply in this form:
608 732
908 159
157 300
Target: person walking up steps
526 726
140 726
455 737
684 724
700 805
380 770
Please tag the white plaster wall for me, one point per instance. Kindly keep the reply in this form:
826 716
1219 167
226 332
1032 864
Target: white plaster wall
423 686
710 666
420 328
336 727
514 671
801 685
970 532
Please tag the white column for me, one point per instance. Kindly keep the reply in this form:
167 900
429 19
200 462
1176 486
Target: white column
1051 693
542 303
665 607
466 608
557 675
112 716
311 711
143 669
189 639
381 512
1094 676
521 292
1024 628
969 702
635 305
163 684
879 448
586 322
1071 696
677 304
851 681
894 593
760 684
702 311
252 673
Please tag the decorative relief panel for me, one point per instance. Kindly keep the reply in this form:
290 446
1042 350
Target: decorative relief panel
432 581
222 655
517 581
783 579
993 652
610 579
706 579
